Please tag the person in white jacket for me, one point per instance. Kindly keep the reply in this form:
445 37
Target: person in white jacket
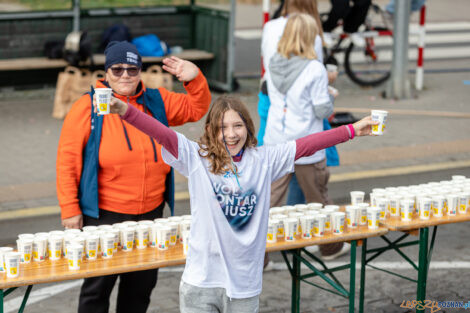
297 84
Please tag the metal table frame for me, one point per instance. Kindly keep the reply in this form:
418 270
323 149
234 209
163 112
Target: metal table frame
325 273
425 253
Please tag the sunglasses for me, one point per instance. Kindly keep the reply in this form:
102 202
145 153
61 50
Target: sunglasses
131 71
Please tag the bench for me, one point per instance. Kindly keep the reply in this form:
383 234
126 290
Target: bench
202 32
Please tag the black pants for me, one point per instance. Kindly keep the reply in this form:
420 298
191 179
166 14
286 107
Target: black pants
134 287
352 17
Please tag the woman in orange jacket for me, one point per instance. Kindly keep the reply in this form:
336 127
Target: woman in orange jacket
129 180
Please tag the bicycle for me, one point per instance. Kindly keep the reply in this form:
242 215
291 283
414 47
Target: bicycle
370 64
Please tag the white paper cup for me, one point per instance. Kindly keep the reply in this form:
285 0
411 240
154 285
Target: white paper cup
127 239
185 235
301 207
174 232
288 209
357 197
57 233
72 231
452 204
39 248
163 237
458 178
338 222
280 225
103 98
352 216
149 222
130 223
333 207
12 264
153 235
373 217
464 199
88 229
312 212
91 247
407 210
363 214
271 236
328 219
290 227
307 223
275 210
55 244
74 256
382 204
68 238
438 203
319 225
315 206
142 236
3 251
80 239
381 117
107 245
25 248
394 204
26 236
185 225
424 205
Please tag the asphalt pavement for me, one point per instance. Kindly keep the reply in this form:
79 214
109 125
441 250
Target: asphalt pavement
427 139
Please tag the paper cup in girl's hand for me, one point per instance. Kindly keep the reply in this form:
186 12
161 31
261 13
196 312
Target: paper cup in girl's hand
381 117
103 98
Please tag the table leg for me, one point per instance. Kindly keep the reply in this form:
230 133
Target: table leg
352 277
1 300
363 275
25 298
295 281
422 266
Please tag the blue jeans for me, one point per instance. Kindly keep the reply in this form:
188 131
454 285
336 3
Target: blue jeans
295 194
415 5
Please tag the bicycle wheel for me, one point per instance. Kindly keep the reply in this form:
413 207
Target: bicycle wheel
369 65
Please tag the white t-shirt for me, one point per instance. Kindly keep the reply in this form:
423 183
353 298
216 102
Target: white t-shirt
229 224
308 90
272 33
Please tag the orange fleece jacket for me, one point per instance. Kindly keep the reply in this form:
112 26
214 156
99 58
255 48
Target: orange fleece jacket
130 181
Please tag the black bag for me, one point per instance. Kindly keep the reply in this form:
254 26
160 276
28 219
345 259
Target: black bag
116 32
54 49
77 48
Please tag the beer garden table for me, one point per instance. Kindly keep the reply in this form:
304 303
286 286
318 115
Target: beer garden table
151 258
425 249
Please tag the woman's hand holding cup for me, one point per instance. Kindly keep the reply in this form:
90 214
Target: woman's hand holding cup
115 106
364 126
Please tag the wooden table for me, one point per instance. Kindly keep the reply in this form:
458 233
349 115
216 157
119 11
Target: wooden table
425 249
151 258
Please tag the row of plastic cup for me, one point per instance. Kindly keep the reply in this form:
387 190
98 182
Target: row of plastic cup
96 241
425 200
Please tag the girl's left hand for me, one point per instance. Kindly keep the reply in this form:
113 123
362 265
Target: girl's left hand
184 70
364 126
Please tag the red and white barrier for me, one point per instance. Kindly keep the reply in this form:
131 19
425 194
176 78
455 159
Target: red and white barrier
421 35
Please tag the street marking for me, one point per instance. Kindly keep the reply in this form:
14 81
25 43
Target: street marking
414 169
438 265
14 304
407 112
37 295
184 195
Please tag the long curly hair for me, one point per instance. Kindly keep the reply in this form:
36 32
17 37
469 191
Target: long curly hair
210 146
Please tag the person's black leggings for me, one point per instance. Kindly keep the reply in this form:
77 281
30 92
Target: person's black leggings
352 17
134 287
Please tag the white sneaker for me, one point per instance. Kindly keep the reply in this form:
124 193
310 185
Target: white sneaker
312 249
358 40
345 249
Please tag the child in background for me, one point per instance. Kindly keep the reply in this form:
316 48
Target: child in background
229 181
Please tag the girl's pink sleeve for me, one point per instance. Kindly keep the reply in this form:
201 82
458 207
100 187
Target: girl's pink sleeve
310 144
152 127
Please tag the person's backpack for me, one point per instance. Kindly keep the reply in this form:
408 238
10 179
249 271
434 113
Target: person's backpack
116 32
77 48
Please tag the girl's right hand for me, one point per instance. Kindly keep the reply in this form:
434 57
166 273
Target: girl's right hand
115 106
